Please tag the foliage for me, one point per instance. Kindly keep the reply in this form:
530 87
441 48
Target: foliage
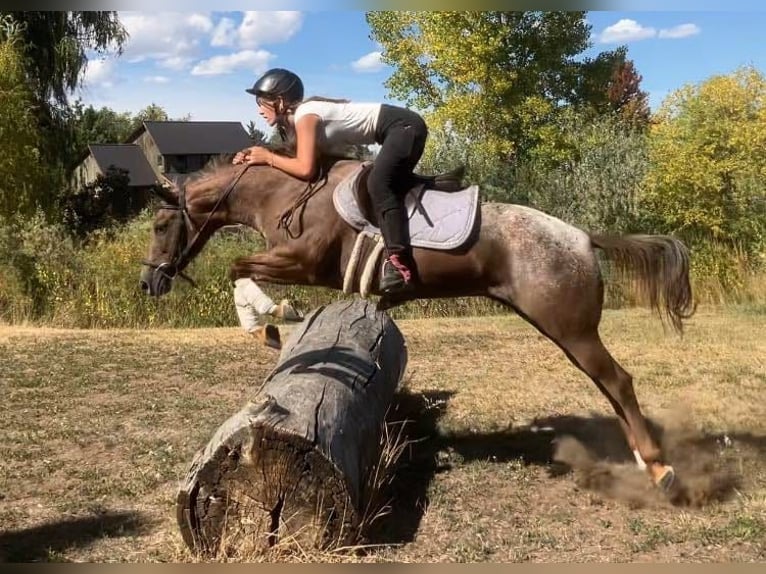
258 136
97 126
54 49
56 46
20 158
102 204
492 82
610 84
596 181
708 158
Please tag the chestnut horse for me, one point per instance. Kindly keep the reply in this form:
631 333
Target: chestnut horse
546 270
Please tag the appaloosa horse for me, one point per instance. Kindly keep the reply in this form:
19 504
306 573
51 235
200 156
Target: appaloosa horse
543 268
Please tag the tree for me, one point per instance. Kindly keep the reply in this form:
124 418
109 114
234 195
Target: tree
99 126
20 168
489 77
493 83
258 137
106 201
54 50
708 158
56 46
152 113
609 83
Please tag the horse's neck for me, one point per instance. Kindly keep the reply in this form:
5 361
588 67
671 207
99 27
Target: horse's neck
263 194
258 198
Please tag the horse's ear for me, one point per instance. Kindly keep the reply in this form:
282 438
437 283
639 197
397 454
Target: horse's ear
166 192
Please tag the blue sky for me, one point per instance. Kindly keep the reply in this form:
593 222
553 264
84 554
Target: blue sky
199 63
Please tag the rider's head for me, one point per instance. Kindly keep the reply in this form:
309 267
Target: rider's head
278 92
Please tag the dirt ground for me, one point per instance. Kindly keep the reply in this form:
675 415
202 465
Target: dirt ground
521 457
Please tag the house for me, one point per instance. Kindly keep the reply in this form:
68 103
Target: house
162 149
179 147
100 157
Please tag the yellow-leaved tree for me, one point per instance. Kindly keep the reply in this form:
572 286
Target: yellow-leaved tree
708 160
707 180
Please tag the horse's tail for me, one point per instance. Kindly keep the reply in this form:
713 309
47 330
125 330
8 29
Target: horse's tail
660 264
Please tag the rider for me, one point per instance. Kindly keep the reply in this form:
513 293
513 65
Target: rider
322 126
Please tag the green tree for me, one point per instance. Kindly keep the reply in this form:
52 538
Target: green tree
102 125
487 77
54 48
20 158
258 136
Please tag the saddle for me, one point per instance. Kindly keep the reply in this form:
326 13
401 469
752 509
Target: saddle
442 213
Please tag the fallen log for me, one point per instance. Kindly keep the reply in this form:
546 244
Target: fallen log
295 462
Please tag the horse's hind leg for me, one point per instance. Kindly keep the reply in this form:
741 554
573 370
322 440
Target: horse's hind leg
574 328
588 352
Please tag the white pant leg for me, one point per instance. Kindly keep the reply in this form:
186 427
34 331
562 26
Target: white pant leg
250 301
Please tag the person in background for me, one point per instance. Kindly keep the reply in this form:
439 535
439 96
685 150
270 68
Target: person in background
251 303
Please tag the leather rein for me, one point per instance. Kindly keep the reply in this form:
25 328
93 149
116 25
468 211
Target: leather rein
173 268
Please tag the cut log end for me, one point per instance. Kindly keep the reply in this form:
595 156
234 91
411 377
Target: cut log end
274 487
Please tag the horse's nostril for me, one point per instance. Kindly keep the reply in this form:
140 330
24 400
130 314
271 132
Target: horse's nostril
144 286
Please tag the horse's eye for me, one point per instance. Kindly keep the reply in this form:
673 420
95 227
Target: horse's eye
161 228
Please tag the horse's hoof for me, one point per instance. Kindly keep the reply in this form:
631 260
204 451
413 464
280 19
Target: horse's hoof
268 335
287 312
667 479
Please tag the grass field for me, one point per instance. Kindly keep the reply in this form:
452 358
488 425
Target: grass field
98 427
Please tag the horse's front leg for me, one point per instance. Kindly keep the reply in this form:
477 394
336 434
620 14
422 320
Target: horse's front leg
277 265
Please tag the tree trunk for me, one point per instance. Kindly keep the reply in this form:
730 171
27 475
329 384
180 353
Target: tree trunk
295 462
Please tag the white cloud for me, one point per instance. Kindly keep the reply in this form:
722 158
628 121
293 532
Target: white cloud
259 28
225 33
252 60
626 30
175 63
171 38
680 31
157 79
201 22
368 63
99 73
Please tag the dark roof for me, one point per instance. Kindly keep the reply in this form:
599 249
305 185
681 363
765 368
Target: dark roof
124 156
186 137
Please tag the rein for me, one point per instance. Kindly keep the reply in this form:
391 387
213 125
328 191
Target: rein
286 219
172 269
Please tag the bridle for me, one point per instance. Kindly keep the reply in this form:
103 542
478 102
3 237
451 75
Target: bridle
182 256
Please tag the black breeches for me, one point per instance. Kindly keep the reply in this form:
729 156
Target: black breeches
403 136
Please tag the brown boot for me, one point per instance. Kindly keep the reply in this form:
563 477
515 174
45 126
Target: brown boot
267 335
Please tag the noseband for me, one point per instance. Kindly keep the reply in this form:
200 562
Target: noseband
173 268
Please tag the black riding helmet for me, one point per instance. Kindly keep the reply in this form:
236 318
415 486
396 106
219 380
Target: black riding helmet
278 82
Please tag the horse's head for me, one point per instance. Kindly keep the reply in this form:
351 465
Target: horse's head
183 224
171 233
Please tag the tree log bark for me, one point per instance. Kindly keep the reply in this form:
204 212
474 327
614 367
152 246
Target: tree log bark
295 461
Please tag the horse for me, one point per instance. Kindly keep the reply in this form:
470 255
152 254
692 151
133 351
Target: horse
544 269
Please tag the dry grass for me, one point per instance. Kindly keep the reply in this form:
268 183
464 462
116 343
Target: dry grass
98 426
